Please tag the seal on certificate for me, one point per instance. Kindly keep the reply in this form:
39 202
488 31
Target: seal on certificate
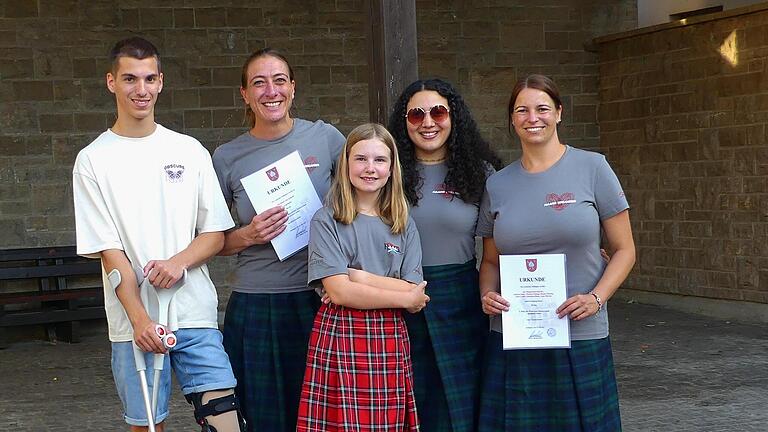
551 332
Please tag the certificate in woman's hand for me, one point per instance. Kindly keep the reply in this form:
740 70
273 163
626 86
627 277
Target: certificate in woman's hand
534 286
285 183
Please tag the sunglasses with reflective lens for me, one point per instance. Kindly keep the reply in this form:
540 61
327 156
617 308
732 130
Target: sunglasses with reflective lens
417 115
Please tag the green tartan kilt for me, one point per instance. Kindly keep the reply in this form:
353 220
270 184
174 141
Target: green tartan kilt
266 337
449 333
558 390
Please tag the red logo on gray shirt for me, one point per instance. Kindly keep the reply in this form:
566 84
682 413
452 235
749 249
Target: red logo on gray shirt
392 248
310 163
559 202
446 191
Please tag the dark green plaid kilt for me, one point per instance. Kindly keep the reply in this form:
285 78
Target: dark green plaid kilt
266 337
450 333
563 390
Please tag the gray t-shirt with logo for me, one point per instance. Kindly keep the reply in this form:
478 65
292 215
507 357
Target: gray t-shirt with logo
258 270
556 211
366 244
446 223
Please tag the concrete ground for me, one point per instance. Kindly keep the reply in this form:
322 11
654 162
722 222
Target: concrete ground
676 372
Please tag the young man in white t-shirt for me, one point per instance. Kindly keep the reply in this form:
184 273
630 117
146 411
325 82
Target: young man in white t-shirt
148 203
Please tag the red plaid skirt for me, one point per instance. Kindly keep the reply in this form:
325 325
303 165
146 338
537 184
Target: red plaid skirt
359 375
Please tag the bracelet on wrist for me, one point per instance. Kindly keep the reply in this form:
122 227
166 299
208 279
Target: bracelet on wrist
598 300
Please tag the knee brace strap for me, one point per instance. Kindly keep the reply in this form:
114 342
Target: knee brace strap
214 407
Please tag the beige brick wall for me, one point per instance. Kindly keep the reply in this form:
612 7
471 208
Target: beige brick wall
52 66
485 46
684 127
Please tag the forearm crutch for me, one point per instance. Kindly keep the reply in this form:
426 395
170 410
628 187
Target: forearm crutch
164 297
115 279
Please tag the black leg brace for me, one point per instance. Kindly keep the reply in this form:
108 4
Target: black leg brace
214 407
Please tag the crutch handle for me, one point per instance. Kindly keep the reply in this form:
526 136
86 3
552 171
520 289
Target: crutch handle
169 340
160 330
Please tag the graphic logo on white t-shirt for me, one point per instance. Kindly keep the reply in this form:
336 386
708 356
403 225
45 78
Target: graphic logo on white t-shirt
392 248
273 174
446 191
559 202
174 173
310 163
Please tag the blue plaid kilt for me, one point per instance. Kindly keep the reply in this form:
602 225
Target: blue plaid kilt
266 337
563 390
450 333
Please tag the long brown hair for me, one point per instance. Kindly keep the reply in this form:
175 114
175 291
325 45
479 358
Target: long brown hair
391 202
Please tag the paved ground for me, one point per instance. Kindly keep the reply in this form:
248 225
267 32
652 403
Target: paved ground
677 372
682 372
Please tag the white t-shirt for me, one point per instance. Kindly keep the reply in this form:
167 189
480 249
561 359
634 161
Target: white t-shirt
149 197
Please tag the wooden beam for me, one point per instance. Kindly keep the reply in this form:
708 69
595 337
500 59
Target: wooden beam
392 55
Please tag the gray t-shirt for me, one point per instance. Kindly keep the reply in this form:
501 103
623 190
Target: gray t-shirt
366 244
258 270
446 223
556 211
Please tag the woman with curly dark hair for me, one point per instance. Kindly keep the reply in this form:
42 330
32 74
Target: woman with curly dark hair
445 162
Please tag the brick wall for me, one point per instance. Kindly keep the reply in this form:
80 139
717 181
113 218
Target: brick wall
52 66
485 46
682 116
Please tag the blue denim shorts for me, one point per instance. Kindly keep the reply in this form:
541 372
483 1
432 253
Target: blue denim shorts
198 360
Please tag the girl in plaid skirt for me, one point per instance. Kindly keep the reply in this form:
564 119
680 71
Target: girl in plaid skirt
364 251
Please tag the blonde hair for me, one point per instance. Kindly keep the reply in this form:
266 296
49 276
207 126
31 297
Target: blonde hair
391 203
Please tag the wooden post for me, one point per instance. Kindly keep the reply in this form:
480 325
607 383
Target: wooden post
392 55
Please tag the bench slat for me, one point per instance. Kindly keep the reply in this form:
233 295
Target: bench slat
26 254
51 316
38 296
70 269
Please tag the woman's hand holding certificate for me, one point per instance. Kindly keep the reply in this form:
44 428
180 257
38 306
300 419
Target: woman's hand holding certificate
265 226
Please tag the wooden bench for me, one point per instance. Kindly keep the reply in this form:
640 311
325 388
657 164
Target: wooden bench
58 289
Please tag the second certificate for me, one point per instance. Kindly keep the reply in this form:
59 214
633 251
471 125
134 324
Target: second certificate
534 286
